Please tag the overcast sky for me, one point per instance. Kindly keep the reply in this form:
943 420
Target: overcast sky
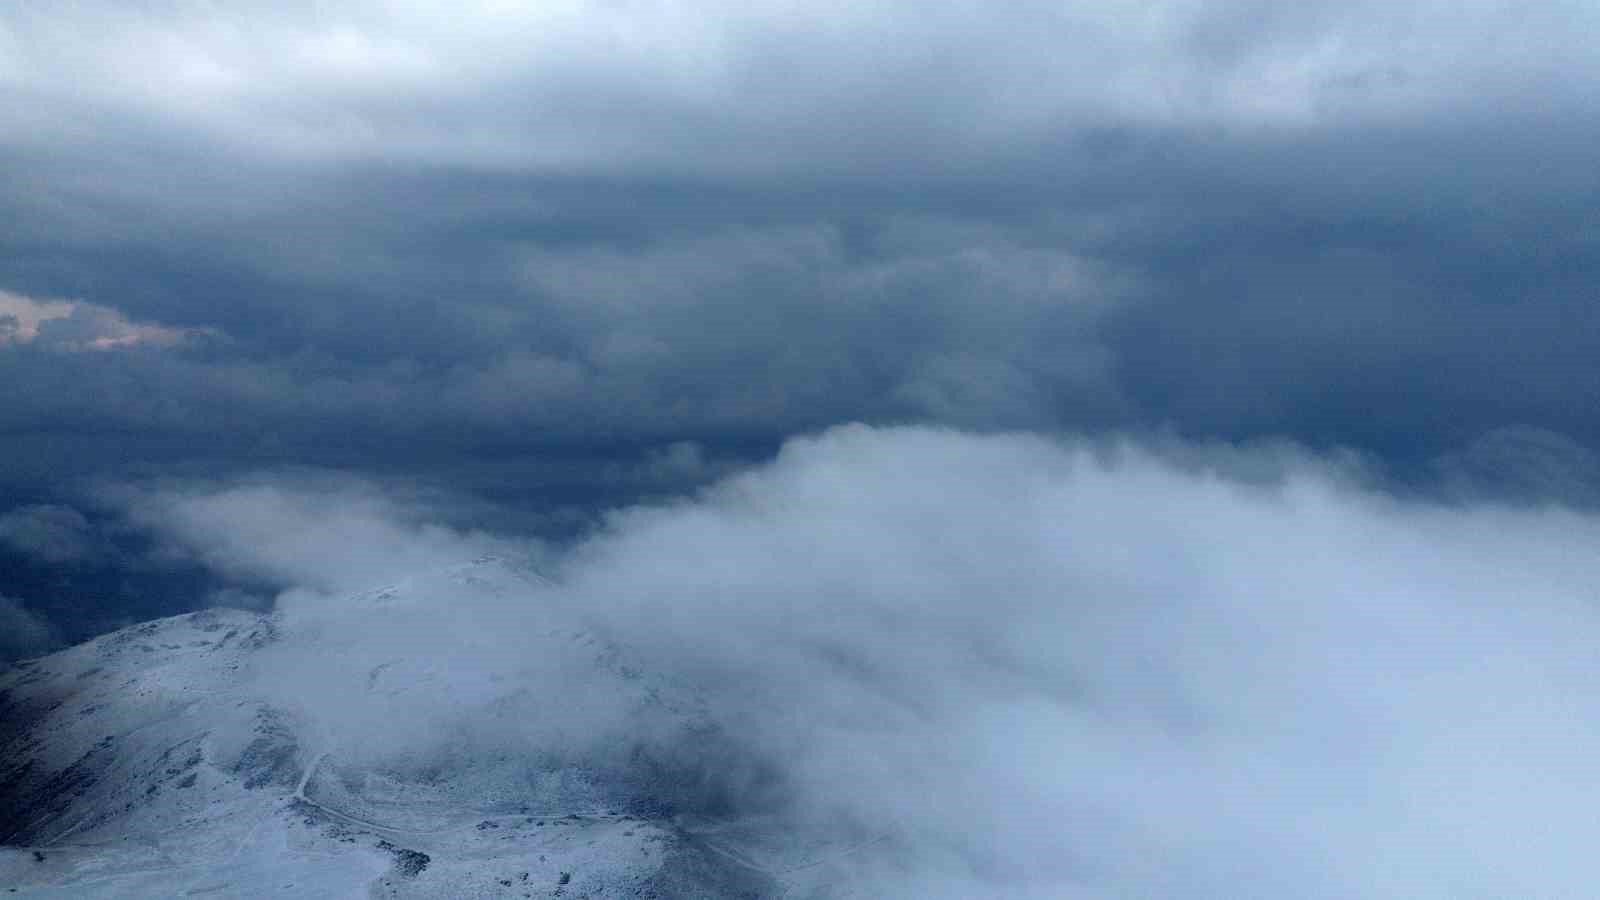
1207 387
534 260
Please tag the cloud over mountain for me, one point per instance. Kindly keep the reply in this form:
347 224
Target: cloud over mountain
686 302
1029 668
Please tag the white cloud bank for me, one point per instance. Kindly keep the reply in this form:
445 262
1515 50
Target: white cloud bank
1043 671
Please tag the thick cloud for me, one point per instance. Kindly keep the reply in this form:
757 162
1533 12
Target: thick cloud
477 274
1026 668
324 533
54 534
1521 463
22 632
1345 223
740 88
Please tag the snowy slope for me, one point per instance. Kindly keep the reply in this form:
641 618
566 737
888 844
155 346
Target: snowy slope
197 756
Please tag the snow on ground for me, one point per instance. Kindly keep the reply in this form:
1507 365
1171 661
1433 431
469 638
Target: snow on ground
153 762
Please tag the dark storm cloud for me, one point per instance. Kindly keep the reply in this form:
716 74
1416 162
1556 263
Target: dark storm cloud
740 330
757 89
296 298
524 252
53 534
23 633
1522 463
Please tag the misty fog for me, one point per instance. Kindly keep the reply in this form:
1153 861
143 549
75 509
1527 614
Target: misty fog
1020 666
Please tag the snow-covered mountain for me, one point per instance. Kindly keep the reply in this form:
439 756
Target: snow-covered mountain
330 751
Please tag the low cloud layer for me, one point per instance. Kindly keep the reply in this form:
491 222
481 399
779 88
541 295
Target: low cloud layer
1031 668
326 534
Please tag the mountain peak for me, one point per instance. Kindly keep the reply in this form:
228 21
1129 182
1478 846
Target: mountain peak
186 754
